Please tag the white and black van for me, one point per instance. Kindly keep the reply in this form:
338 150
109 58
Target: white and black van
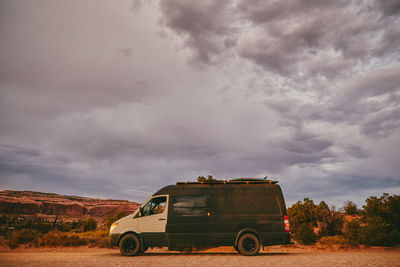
245 213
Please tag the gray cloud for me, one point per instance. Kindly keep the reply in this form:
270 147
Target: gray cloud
306 144
288 38
337 185
388 7
368 101
97 100
259 11
205 25
315 37
382 123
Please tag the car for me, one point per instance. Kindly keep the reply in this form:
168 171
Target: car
246 213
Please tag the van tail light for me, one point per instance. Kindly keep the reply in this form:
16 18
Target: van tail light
286 222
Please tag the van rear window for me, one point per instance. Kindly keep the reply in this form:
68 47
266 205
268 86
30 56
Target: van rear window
191 205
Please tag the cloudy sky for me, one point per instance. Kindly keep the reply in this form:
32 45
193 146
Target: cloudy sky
115 99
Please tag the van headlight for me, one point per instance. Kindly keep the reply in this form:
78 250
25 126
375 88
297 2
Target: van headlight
113 226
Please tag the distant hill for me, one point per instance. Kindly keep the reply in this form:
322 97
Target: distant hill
37 203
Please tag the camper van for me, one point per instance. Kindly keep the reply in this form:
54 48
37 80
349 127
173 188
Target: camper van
246 213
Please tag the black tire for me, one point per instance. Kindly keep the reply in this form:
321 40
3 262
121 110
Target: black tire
130 245
249 245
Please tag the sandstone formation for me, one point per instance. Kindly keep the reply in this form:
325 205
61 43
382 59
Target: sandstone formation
36 203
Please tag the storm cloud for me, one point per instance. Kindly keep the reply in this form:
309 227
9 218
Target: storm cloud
118 99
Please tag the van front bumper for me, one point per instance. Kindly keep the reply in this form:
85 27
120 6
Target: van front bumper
114 238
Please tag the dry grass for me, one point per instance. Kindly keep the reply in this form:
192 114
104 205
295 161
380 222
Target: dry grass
56 239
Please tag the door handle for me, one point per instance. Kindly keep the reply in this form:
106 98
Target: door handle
161 219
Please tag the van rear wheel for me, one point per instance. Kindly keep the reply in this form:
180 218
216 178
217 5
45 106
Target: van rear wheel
130 245
249 245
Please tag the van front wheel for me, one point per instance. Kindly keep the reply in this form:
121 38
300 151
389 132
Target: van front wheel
129 245
249 245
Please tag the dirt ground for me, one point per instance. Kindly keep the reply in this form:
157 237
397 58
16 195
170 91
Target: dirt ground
224 256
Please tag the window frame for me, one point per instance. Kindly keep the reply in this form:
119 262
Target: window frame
192 210
149 201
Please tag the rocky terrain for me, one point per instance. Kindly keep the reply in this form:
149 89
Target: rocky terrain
37 203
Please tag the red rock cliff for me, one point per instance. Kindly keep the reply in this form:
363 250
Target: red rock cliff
36 203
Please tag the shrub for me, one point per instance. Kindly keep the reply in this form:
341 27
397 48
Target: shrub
386 207
352 232
382 218
64 226
89 225
102 242
379 232
34 223
18 237
330 224
322 211
209 178
305 234
302 213
96 239
38 224
350 208
54 239
329 221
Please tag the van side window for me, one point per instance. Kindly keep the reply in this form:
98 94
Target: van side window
154 206
256 204
191 205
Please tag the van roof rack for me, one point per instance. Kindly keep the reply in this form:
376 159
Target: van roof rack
234 181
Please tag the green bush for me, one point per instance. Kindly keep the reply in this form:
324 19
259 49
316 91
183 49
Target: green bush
89 225
305 234
352 232
330 224
34 223
379 232
350 208
43 232
382 218
322 211
209 178
18 237
302 213
38 224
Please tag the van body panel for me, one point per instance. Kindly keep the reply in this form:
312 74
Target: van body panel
154 239
197 215
227 216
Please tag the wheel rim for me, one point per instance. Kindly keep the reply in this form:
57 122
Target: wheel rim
129 245
249 245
